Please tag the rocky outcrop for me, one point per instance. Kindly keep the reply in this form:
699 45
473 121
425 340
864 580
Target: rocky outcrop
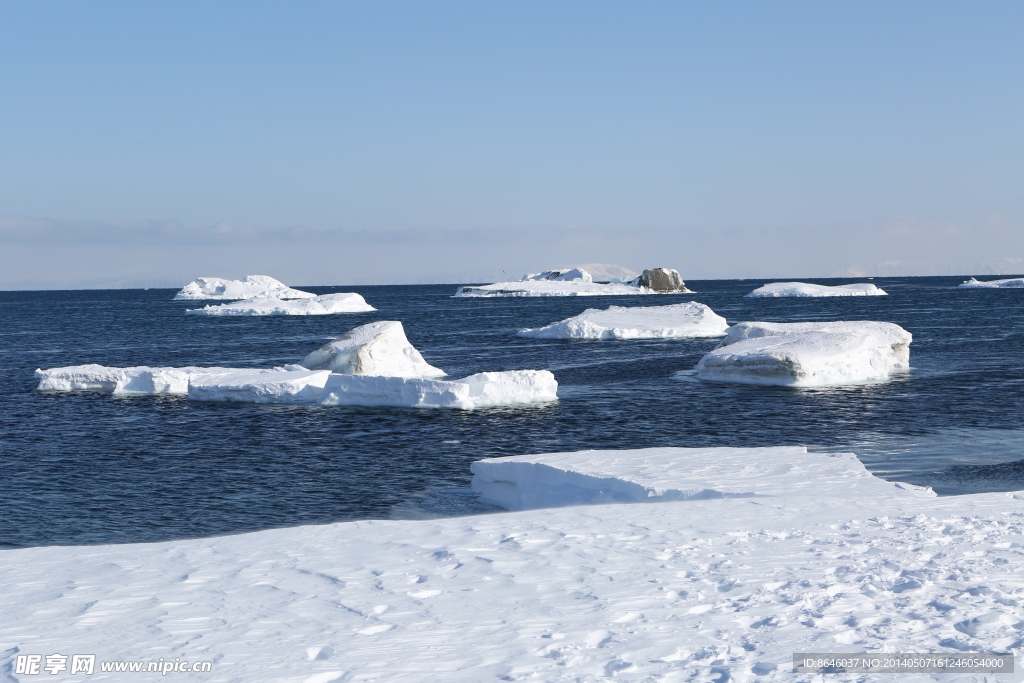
663 280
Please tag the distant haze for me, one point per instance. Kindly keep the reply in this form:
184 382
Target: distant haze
405 142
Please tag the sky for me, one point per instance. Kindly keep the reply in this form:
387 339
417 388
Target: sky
402 142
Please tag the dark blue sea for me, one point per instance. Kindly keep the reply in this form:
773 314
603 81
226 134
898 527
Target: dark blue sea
87 468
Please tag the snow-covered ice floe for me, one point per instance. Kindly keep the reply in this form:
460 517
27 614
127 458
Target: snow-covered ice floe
378 348
578 282
1011 283
326 304
806 289
139 380
249 287
483 390
675 321
259 386
719 588
808 354
649 475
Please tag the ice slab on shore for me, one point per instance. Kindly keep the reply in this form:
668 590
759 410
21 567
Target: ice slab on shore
1011 283
807 289
485 389
648 475
378 348
808 354
256 386
700 589
326 304
138 380
550 288
249 287
675 321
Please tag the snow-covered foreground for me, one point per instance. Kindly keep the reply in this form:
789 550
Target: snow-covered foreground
807 289
1011 283
327 304
808 354
639 322
249 287
706 589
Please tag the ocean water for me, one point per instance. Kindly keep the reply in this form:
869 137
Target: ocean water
87 468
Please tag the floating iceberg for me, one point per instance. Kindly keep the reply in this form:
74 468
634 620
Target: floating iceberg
1011 283
378 348
807 354
562 275
139 380
675 321
259 386
550 288
326 304
249 287
486 389
650 475
806 289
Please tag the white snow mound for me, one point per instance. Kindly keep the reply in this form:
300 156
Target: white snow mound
138 380
485 389
648 475
808 354
676 321
249 287
378 348
806 289
1011 283
259 386
327 304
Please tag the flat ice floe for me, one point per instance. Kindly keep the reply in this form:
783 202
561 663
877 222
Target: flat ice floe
1011 283
138 380
378 348
483 390
723 588
807 289
808 354
326 304
249 287
676 321
256 386
550 288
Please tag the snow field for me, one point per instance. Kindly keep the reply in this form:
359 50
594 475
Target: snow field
775 289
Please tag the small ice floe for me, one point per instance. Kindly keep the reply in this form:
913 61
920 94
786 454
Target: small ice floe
327 304
139 380
578 282
806 289
651 475
378 348
808 354
249 287
483 390
675 321
1011 283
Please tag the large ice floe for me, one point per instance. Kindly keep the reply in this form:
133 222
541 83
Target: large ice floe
249 287
1011 283
808 354
675 321
564 282
378 348
372 365
326 304
776 289
801 552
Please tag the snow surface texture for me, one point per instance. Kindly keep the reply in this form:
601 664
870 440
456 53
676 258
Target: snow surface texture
675 321
808 354
805 289
700 589
255 386
524 482
327 304
1012 283
249 287
482 390
135 381
378 348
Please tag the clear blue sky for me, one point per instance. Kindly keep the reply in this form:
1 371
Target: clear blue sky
660 118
